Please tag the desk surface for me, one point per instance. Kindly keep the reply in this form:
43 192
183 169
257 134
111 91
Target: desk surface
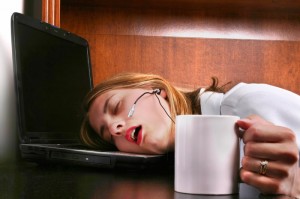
28 180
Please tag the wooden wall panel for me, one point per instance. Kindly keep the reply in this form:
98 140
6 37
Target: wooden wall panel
250 42
199 23
190 4
51 12
191 62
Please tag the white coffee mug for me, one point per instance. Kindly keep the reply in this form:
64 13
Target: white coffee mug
206 154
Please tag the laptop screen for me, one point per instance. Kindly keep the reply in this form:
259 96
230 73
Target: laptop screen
53 76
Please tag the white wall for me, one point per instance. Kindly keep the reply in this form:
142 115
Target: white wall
8 128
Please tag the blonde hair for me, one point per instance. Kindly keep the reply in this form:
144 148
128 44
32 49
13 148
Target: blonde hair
179 101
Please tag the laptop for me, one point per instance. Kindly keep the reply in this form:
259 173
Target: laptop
52 72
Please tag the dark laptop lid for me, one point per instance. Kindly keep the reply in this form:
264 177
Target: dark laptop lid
52 75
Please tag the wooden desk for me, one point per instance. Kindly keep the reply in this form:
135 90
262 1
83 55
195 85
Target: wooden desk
27 180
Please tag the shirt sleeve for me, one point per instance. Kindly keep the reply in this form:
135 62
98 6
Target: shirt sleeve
274 104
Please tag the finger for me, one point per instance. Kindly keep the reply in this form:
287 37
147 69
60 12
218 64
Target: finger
274 169
264 183
250 120
253 165
268 133
283 152
246 123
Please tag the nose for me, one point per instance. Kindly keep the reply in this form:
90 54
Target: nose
116 128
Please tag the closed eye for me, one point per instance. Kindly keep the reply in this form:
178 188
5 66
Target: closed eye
116 109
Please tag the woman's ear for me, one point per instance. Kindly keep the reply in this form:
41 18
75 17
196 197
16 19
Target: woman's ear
163 93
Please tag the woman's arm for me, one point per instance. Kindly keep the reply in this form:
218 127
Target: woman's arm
279 106
276 146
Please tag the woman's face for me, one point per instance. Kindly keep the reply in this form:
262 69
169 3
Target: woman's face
147 131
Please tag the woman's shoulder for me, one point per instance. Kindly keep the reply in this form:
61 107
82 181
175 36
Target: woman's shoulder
253 89
255 98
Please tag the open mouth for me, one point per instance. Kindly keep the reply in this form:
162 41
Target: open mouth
135 134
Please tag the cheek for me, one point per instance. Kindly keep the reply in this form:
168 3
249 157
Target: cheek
93 121
153 111
156 120
125 146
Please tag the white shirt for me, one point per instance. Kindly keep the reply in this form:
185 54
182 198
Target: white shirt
274 104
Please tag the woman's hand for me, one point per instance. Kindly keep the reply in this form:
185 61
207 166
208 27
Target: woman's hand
276 146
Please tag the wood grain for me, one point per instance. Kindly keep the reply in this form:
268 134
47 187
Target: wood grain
189 41
51 12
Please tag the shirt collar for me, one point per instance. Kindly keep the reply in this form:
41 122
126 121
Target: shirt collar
211 103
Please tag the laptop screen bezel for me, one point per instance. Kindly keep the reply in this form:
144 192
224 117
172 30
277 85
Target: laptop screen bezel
41 137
